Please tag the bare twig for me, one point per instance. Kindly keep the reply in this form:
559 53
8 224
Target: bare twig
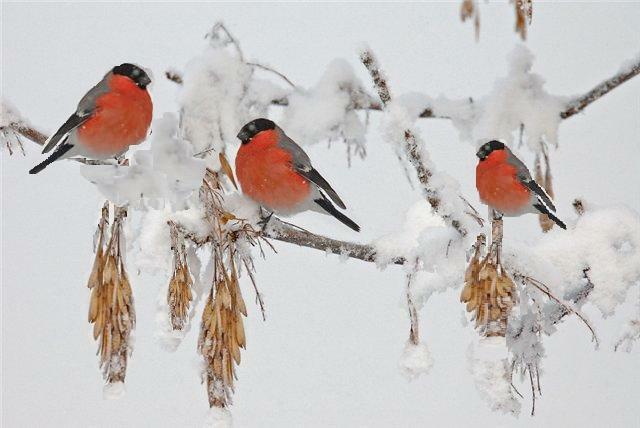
544 289
578 104
213 34
414 329
271 70
28 132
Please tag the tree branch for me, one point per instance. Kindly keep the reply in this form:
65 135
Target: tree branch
573 107
27 132
278 229
283 232
411 148
603 88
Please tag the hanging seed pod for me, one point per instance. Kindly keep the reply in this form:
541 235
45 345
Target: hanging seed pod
488 291
111 307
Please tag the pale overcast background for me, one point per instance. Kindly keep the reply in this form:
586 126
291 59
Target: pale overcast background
328 353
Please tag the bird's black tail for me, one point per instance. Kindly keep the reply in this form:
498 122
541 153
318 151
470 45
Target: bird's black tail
328 207
54 157
544 210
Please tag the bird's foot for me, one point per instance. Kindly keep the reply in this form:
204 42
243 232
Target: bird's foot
264 220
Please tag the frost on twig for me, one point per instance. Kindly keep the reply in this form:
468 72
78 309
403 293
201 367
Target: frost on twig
13 126
441 191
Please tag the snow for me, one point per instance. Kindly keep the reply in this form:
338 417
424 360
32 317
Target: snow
218 418
519 98
323 112
415 360
605 239
8 113
114 391
491 372
282 369
219 95
166 173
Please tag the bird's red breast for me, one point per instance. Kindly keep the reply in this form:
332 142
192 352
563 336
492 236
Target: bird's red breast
266 173
499 186
122 118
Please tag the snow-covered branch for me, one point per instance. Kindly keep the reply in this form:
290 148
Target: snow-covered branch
417 155
283 232
277 229
627 71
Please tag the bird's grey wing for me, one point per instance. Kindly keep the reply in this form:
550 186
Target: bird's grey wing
86 107
302 164
525 178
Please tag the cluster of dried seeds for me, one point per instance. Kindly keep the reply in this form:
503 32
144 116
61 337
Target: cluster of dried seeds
222 330
111 309
489 292
179 295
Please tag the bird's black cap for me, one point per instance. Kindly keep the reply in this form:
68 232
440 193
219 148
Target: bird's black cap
489 147
133 72
255 126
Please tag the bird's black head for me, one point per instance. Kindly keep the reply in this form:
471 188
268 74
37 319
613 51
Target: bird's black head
489 147
133 72
252 128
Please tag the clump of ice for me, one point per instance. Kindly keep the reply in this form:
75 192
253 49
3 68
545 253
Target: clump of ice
218 418
113 391
415 360
325 111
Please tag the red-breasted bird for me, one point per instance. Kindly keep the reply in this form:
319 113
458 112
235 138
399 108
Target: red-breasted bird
505 184
113 115
277 174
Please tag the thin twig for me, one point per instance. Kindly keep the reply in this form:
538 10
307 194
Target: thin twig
412 150
269 69
601 89
28 132
544 289
282 232
220 26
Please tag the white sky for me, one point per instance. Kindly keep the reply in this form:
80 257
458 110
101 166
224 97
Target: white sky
327 355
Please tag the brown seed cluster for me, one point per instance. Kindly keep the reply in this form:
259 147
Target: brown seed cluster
179 295
222 330
524 14
111 309
489 292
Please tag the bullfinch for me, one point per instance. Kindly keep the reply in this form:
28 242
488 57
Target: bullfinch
505 184
277 174
113 115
